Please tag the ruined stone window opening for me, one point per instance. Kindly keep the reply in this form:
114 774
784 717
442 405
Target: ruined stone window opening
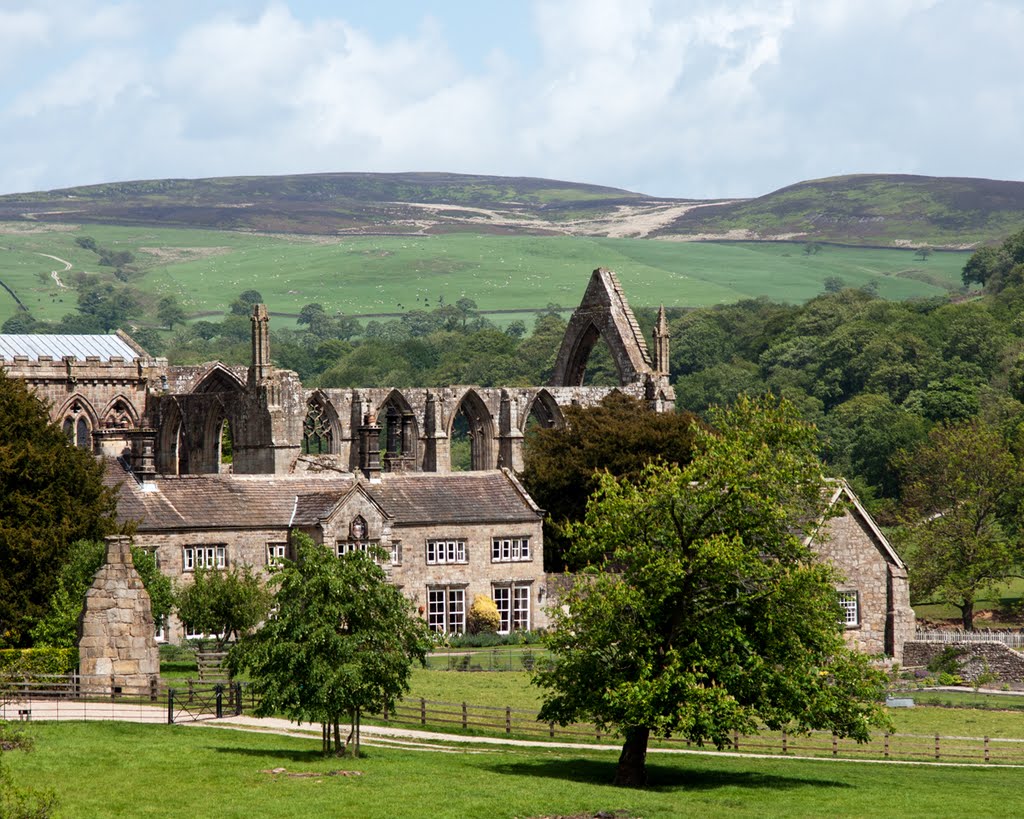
203 557
317 435
446 609
398 434
849 603
472 428
225 447
510 550
440 552
513 602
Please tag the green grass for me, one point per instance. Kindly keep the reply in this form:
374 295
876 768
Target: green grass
114 770
387 274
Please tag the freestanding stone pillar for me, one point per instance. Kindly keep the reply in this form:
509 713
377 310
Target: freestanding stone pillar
116 636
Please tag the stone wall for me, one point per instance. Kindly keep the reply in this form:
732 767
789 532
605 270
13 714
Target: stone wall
117 647
977 659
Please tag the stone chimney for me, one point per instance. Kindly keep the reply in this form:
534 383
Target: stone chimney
116 635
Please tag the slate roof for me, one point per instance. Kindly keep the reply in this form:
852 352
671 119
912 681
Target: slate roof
59 346
267 501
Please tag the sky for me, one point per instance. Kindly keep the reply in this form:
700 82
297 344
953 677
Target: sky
679 98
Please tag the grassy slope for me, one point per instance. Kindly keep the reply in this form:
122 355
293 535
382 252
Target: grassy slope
206 269
873 209
171 770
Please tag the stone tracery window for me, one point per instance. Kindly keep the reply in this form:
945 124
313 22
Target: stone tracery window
317 436
76 426
119 416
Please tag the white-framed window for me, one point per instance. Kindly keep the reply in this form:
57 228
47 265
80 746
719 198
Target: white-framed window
446 551
192 634
343 547
510 549
204 557
276 552
849 603
513 602
446 609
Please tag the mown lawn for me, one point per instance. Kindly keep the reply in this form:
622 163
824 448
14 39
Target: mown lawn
117 770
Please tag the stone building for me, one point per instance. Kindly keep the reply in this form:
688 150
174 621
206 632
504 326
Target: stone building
874 592
353 467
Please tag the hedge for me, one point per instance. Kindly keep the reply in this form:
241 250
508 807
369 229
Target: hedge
38 660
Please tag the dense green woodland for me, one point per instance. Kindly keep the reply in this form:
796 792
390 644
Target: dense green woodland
874 375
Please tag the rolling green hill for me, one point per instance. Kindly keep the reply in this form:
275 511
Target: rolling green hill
875 209
870 209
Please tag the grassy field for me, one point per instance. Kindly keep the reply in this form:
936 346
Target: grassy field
114 770
389 274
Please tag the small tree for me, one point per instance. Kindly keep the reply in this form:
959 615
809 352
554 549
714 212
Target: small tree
706 613
483 617
961 490
341 641
226 603
169 312
923 253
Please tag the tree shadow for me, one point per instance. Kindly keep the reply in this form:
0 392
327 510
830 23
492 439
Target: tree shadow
276 754
659 777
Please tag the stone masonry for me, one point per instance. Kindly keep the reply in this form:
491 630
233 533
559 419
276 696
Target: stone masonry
976 659
117 647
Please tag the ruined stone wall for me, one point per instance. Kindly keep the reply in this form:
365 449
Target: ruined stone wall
977 659
117 647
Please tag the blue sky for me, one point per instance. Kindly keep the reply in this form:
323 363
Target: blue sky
684 98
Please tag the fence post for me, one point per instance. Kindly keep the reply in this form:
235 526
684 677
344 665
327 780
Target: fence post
886 744
170 706
508 719
551 730
784 747
736 740
423 711
936 746
986 749
835 745
219 690
463 715
238 699
385 713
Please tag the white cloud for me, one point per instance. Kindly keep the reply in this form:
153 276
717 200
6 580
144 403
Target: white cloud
702 98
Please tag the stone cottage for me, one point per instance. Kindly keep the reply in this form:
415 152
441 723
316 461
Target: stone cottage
874 593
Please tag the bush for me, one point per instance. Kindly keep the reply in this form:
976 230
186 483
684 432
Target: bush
483 617
516 638
38 660
948 662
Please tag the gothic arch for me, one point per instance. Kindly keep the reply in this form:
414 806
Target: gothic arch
172 453
218 379
603 313
399 433
120 413
211 455
321 427
545 412
481 429
78 419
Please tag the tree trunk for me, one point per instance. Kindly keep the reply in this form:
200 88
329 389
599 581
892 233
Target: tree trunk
339 749
967 615
632 769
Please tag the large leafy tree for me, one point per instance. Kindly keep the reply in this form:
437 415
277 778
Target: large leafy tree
962 491
226 603
51 494
706 612
341 641
620 435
